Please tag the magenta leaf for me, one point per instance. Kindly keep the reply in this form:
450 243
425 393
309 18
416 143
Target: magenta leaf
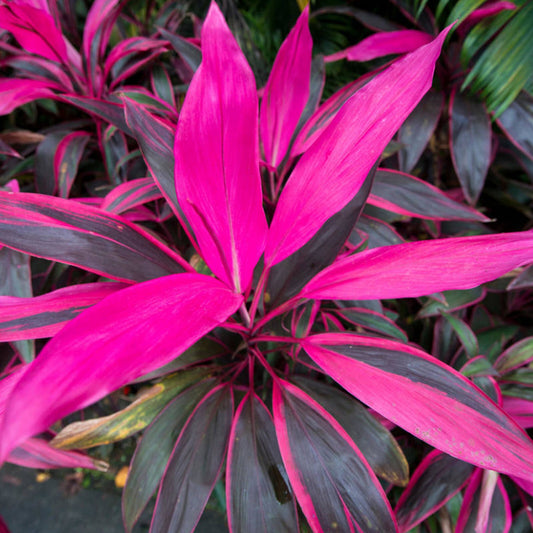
130 195
424 396
16 92
154 450
424 267
287 278
486 507
517 123
217 180
436 480
112 343
84 236
35 30
259 497
43 316
341 158
383 44
334 484
408 195
195 464
286 91
470 143
418 128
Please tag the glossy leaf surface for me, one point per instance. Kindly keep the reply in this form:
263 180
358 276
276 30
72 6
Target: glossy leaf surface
84 236
382 373
258 494
94 349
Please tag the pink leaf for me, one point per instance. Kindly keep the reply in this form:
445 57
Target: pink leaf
383 44
15 92
43 316
420 268
286 91
35 30
425 397
341 158
127 335
216 149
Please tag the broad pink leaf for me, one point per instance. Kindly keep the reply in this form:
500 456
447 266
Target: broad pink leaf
419 268
339 161
35 30
114 342
217 180
520 410
43 316
489 9
85 236
425 397
258 496
408 195
15 92
436 480
330 477
286 91
383 44
195 464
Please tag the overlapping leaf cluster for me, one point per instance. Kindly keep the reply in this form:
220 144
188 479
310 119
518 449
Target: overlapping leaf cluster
237 268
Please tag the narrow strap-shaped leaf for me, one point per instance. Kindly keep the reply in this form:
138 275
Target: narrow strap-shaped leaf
217 158
341 158
154 450
418 128
288 277
156 140
38 453
424 267
190 53
408 195
43 316
130 420
470 143
383 44
15 92
82 235
486 507
379 372
67 158
334 484
258 494
130 195
436 480
195 464
130 333
517 123
517 355
34 29
376 443
286 91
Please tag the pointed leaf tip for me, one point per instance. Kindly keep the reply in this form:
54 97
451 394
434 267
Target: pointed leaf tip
340 159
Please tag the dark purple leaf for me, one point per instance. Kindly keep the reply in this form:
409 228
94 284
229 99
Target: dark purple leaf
379 233
45 177
288 277
435 481
131 194
258 492
375 442
85 236
154 450
188 51
195 464
523 281
470 143
417 130
517 123
334 484
67 159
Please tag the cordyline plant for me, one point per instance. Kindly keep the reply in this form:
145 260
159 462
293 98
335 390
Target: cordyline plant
255 395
